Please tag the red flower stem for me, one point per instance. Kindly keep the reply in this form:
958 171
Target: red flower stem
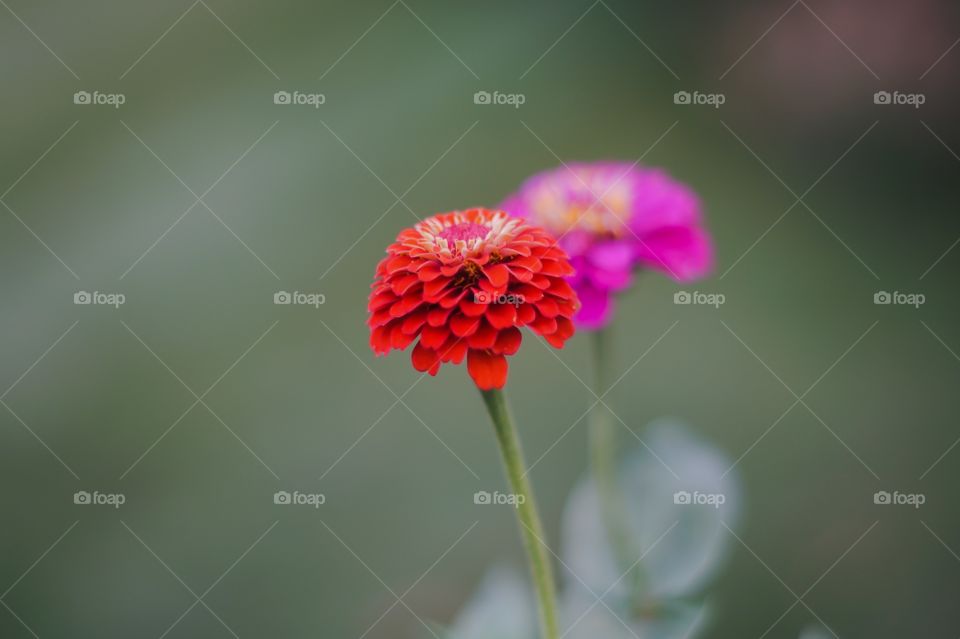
603 457
530 527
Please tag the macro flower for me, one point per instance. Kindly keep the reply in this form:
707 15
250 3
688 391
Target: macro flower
462 284
613 218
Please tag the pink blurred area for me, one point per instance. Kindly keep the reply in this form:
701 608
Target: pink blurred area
826 79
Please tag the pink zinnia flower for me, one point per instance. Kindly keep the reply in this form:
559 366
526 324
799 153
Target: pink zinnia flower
613 218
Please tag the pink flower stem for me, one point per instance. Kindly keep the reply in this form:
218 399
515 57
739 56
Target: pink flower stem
603 457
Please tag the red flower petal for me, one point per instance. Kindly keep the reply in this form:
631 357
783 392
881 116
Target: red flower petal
564 331
452 298
396 263
557 268
432 290
434 336
519 274
544 325
541 281
438 315
498 275
405 305
413 322
379 318
428 272
463 326
404 283
526 314
380 300
492 291
425 359
561 288
398 339
527 264
501 315
470 308
485 337
454 350
508 341
528 293
488 370
548 307
380 340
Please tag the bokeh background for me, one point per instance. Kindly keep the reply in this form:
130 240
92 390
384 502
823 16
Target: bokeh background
305 199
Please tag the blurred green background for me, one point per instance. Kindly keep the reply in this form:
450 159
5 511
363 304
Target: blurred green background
93 196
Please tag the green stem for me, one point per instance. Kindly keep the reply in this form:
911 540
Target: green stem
603 456
530 526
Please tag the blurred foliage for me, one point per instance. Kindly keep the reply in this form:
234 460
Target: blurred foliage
679 549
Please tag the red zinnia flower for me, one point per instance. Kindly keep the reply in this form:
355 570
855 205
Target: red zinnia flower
464 283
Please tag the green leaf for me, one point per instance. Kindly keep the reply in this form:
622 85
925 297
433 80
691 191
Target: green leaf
682 545
501 608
